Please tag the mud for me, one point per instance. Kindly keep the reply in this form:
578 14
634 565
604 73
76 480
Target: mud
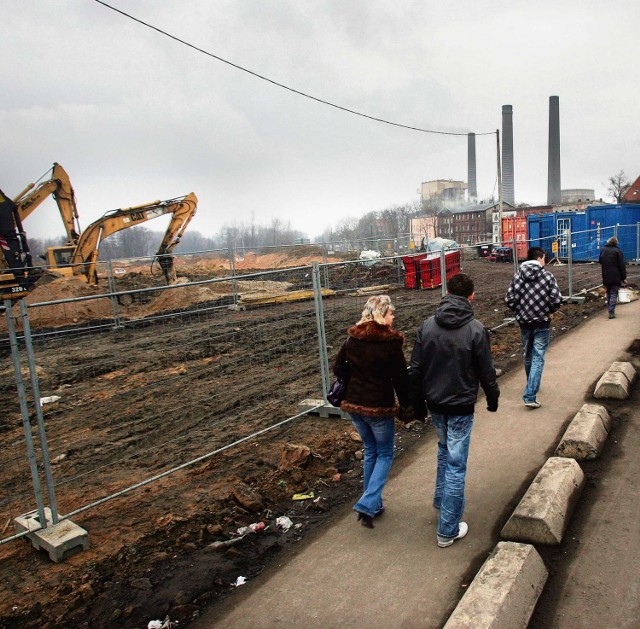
172 548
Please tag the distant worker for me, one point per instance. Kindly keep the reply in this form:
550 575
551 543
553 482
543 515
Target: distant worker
533 295
377 368
451 357
614 272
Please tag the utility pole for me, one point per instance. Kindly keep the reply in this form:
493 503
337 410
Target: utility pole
499 190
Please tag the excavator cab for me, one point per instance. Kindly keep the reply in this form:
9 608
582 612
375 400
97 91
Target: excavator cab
18 279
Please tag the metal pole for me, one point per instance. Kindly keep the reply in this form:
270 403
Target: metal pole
24 410
499 190
232 268
322 339
637 241
515 256
443 272
114 300
570 263
35 390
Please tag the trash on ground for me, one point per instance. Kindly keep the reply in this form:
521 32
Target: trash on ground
49 399
284 523
239 581
252 528
303 496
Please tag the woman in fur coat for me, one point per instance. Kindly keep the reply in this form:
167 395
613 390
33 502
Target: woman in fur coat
378 373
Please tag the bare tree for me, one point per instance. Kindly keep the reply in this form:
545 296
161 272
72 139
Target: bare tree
618 185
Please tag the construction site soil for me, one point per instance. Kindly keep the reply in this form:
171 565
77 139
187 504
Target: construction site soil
177 546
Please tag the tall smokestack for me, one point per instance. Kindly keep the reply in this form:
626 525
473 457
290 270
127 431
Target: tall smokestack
508 194
554 191
471 167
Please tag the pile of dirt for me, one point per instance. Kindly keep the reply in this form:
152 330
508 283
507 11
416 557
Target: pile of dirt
67 313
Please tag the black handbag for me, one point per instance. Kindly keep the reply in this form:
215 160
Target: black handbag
338 388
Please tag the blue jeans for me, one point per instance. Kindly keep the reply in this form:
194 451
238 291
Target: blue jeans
454 435
535 343
378 438
612 297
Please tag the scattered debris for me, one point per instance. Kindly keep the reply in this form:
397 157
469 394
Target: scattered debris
293 455
284 523
49 399
303 496
239 581
252 528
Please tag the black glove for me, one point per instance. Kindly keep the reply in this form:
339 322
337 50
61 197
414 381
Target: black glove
492 405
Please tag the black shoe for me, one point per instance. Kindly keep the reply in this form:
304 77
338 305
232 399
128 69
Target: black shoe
366 520
380 511
612 315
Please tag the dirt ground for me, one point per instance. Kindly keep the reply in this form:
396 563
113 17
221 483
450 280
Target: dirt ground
178 545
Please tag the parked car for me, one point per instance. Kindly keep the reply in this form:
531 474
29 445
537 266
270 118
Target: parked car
501 254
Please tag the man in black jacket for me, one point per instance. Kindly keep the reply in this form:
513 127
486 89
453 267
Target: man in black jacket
450 358
614 272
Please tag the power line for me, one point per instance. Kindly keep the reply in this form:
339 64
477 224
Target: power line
286 87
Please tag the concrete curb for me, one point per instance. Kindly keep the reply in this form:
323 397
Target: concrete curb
586 435
545 510
616 382
505 591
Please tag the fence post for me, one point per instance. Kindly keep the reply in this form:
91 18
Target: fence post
114 300
443 272
322 338
570 263
514 255
24 411
232 268
35 391
637 241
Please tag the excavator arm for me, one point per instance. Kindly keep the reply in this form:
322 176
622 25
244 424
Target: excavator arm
85 255
58 185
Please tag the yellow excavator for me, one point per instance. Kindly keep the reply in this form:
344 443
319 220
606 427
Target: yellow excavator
17 273
81 258
79 255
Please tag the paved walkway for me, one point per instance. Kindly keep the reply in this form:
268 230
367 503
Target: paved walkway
395 576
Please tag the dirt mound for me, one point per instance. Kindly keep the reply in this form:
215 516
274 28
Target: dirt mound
68 313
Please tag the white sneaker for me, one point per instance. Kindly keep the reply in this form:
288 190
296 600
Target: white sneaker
463 529
534 404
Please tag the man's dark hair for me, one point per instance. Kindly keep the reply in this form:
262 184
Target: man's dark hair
535 253
461 285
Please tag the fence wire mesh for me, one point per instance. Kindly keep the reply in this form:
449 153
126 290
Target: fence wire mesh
179 373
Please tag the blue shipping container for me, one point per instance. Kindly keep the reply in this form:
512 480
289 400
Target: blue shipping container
590 229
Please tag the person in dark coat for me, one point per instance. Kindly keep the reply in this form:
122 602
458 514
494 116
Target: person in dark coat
378 373
451 359
614 272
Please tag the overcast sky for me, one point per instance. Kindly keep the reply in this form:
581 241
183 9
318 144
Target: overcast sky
135 116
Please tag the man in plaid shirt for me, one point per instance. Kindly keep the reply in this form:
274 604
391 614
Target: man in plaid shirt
533 295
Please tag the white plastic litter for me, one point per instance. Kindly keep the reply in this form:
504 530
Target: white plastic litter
155 624
49 399
239 581
284 523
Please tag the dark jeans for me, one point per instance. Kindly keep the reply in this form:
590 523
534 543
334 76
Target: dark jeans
612 296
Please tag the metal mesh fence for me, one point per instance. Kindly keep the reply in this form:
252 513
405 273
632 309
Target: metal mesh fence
138 391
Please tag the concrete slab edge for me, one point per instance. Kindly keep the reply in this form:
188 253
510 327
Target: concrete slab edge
505 591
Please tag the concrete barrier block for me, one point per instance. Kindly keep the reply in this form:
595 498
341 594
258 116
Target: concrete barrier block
586 434
627 369
505 591
613 385
542 515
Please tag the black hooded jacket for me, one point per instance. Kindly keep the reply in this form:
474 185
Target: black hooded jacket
612 262
450 358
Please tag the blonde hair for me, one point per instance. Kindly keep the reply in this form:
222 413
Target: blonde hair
376 308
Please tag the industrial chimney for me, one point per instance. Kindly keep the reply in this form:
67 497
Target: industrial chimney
471 167
554 192
508 194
